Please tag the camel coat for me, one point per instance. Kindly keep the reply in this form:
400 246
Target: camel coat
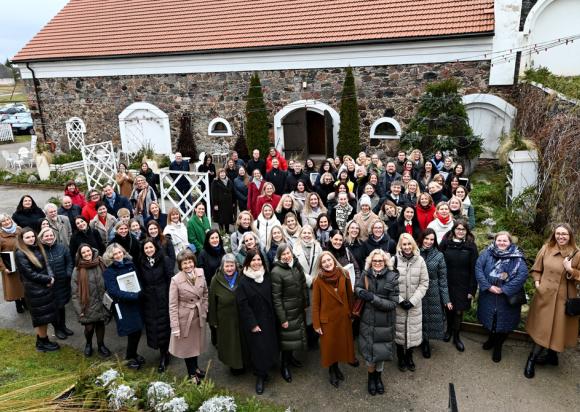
11 283
331 312
413 284
548 324
188 305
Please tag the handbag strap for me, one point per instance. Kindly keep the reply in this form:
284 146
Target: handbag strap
366 283
565 273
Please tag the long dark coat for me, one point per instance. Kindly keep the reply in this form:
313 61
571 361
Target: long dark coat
61 265
11 283
331 312
256 309
128 302
377 323
210 261
90 236
222 196
29 218
358 250
490 305
460 258
290 297
129 243
155 282
437 294
39 297
241 193
385 243
224 316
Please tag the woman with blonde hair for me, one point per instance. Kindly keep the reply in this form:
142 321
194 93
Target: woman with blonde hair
306 251
277 237
177 230
556 274
265 222
413 284
332 301
287 205
313 207
412 193
11 283
443 221
268 196
244 223
291 228
378 286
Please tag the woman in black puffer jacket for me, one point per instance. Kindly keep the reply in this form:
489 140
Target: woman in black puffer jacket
85 234
290 298
38 283
60 262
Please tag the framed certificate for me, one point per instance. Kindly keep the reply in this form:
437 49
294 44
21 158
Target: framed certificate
129 282
9 261
351 274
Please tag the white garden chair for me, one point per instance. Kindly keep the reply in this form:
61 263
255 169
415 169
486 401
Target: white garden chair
12 160
25 156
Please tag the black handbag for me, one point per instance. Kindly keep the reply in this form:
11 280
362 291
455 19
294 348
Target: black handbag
572 304
517 299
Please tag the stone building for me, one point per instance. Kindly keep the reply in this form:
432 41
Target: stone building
130 70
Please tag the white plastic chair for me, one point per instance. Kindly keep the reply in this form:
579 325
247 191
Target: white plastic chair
12 160
25 156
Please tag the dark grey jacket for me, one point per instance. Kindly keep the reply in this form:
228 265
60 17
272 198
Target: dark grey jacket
437 295
377 322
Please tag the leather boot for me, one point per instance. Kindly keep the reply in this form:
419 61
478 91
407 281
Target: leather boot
409 360
162 366
88 350
332 376
260 385
19 306
284 370
44 345
379 383
449 331
338 372
426 348
548 357
457 341
488 344
401 358
104 351
497 346
372 384
530 369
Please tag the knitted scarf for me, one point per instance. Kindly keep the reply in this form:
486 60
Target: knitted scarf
83 279
256 275
11 229
332 277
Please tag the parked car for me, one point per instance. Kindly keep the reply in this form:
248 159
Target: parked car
21 123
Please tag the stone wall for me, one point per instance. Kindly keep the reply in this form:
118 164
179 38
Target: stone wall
99 100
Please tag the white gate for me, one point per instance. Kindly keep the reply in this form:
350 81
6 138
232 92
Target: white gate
100 164
171 196
75 130
6 133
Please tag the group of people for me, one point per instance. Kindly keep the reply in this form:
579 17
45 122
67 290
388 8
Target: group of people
318 257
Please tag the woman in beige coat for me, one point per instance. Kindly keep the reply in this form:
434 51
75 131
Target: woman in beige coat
11 283
413 284
188 306
556 274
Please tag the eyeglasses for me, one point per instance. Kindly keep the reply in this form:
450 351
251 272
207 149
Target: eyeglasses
95 195
460 229
378 261
563 234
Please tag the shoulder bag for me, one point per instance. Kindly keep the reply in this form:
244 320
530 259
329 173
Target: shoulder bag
359 304
517 299
572 304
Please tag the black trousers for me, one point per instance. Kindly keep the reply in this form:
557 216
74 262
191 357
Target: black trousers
132 344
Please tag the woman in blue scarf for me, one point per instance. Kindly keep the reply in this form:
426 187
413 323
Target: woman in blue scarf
501 272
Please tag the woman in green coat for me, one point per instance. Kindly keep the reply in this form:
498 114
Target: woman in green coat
223 317
197 227
290 297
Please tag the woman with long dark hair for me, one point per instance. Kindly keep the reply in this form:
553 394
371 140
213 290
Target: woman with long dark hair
241 189
257 318
461 254
155 271
163 242
38 280
28 214
355 243
156 214
222 197
210 257
87 290
125 238
85 234
406 223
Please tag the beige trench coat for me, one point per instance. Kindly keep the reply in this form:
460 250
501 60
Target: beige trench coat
11 283
188 305
413 284
548 324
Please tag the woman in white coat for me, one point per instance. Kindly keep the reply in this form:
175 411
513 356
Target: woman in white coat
413 284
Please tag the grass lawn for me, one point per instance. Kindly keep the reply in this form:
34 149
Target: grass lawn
10 94
19 138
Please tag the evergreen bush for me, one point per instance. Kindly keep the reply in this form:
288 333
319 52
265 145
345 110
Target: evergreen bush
349 132
185 142
256 118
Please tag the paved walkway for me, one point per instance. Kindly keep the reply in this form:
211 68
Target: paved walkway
480 384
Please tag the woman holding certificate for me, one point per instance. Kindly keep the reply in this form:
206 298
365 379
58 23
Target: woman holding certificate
123 287
11 283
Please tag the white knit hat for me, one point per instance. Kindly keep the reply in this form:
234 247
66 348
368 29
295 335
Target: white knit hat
365 200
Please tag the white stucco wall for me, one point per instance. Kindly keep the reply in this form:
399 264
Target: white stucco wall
549 20
506 37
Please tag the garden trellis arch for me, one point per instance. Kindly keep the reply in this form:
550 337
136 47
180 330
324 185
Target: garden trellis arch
171 196
100 164
75 131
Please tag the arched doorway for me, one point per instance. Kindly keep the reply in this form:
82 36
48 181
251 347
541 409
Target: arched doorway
142 124
306 128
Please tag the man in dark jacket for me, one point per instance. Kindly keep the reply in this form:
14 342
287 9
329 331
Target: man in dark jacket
277 177
182 185
69 210
114 201
400 163
296 175
256 163
395 194
387 177
237 161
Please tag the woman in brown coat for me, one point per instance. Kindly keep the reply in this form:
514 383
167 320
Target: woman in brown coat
188 305
556 273
11 283
332 298
124 179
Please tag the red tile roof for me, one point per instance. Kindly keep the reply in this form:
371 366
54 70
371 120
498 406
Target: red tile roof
100 28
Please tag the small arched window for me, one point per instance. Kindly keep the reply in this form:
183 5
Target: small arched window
385 128
219 127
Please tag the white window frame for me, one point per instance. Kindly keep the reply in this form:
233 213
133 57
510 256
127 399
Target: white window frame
389 120
228 132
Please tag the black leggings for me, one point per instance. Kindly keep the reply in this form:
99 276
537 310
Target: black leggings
133 344
60 322
191 364
99 328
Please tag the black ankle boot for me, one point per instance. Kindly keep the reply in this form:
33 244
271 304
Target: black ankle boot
284 370
488 344
530 369
379 383
333 379
426 348
409 360
497 346
401 358
259 385
338 372
88 350
162 366
372 384
60 334
547 357
104 351
67 331
19 306
44 345
457 341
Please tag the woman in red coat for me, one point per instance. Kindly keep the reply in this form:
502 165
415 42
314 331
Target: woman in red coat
425 211
274 154
268 196
332 299
255 187
71 190
90 208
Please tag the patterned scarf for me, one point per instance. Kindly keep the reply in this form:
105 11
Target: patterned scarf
342 214
506 261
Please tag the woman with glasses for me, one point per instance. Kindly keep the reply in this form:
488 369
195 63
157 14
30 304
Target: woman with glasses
378 286
461 254
90 208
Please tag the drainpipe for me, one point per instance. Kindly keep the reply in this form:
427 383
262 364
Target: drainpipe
34 81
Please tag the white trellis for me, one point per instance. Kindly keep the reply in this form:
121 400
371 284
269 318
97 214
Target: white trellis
75 130
100 164
171 196
6 133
